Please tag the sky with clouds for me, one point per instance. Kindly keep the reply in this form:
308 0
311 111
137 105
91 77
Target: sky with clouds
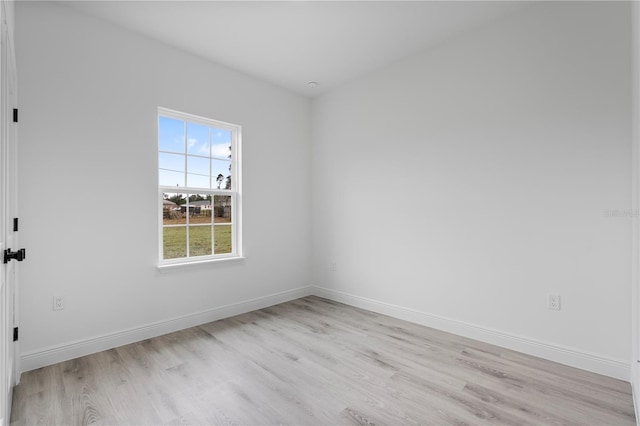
192 154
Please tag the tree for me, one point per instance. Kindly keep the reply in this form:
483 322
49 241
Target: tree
228 180
219 179
177 198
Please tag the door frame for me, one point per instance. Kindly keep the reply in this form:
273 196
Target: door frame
9 359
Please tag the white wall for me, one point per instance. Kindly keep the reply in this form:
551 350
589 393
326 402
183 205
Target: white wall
88 186
472 180
465 183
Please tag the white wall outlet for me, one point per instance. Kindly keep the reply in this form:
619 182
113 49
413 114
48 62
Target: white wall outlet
58 303
333 267
553 302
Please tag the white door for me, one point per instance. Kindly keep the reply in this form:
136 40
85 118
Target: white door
9 368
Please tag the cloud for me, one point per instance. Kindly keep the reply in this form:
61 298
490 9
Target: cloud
220 151
203 149
191 142
195 146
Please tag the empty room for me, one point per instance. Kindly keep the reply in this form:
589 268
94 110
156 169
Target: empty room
319 212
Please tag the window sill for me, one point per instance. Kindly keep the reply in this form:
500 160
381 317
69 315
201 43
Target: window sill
170 267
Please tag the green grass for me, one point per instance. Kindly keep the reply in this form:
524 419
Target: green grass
175 241
199 240
222 237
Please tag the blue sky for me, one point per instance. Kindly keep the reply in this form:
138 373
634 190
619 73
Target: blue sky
206 150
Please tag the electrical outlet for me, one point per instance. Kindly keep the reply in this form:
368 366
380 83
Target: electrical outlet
553 302
58 303
334 267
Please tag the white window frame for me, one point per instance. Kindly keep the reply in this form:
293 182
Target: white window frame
234 192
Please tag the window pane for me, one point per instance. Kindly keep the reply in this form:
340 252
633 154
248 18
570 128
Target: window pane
222 208
173 209
221 143
171 169
171 134
222 238
197 181
200 209
198 169
173 162
222 173
198 165
174 242
199 240
198 139
167 178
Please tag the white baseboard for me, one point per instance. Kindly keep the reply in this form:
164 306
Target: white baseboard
616 368
67 351
587 361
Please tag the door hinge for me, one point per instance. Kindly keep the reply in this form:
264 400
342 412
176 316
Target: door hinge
15 115
15 334
15 224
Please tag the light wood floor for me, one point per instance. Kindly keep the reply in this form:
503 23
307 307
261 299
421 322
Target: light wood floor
312 361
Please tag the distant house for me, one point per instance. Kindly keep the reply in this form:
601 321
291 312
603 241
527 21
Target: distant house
204 204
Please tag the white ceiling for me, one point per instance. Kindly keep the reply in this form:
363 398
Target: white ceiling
290 43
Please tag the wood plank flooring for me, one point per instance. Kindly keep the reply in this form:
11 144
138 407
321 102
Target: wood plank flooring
316 362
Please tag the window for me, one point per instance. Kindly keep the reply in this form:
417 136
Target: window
198 188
